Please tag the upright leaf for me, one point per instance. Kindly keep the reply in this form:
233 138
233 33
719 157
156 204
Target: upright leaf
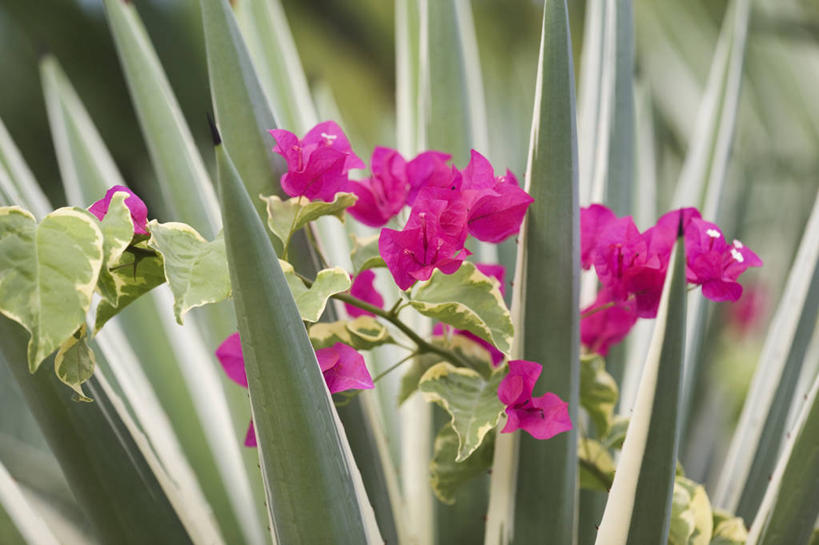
306 465
183 180
638 510
19 523
49 271
20 176
753 451
533 489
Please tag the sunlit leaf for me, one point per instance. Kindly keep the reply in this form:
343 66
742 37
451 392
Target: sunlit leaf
598 392
365 253
596 465
448 475
311 301
286 217
363 333
75 362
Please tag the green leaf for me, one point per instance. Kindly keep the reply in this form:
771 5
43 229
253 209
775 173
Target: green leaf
196 270
412 376
182 178
117 231
20 524
598 392
728 529
270 42
468 300
311 301
286 217
363 333
49 272
446 474
638 510
85 435
596 465
617 432
691 518
306 464
75 363
533 490
31 196
755 445
364 254
135 273
470 399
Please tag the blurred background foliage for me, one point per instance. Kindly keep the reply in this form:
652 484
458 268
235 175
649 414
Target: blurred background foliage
347 48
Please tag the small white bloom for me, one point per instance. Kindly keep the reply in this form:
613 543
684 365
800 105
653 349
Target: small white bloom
713 233
736 255
329 137
738 245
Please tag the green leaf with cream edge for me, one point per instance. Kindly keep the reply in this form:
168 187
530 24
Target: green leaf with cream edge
117 232
446 474
598 393
48 273
75 362
196 269
363 333
467 299
286 217
312 301
470 398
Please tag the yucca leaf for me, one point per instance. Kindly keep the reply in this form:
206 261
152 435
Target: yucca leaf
21 178
638 510
306 467
184 183
533 490
791 504
97 453
407 68
19 523
139 349
754 447
270 42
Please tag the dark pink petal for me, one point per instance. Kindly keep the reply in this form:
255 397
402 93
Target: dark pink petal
430 169
493 218
719 290
399 251
593 220
479 173
329 134
601 329
384 194
364 290
543 417
289 147
343 368
498 272
662 236
139 212
230 356
496 355
250 436
443 212
516 387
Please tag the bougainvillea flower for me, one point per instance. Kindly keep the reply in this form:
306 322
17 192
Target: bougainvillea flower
662 236
432 239
593 221
496 206
603 328
364 290
746 314
343 368
139 212
317 165
430 169
542 417
384 194
230 356
713 263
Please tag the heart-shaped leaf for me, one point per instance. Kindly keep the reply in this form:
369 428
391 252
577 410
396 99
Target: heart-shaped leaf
467 299
286 217
470 399
48 273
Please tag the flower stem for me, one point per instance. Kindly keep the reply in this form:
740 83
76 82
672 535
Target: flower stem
394 366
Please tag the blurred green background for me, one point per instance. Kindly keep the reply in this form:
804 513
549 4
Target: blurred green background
347 48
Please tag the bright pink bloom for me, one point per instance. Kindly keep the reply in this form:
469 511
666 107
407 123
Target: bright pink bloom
497 206
542 417
430 169
432 239
364 290
662 236
230 356
317 165
593 221
715 264
384 194
343 368
139 212
601 329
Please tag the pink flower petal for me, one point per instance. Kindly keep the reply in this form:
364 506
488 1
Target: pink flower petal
601 329
493 218
139 212
593 220
230 356
384 194
250 436
343 368
516 387
364 290
430 169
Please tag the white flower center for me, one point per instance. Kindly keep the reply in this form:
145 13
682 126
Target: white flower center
713 233
330 138
736 255
738 244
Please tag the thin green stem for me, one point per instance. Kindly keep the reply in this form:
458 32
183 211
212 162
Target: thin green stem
393 367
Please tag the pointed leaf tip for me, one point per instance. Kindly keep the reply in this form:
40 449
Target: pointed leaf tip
214 130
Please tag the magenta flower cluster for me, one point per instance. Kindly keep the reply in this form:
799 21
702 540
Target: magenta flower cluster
631 267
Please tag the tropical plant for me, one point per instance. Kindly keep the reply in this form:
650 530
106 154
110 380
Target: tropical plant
397 393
